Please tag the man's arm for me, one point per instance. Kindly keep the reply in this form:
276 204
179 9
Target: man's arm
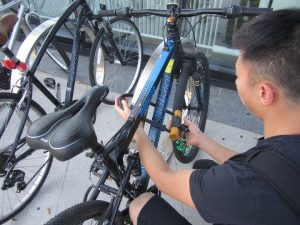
173 183
205 143
176 184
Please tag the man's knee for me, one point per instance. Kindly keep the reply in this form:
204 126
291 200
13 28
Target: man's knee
137 204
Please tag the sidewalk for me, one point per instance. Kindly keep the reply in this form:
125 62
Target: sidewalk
228 123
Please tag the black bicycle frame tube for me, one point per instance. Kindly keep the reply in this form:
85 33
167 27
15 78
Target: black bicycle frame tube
110 36
45 91
101 182
105 26
185 73
43 48
74 59
48 40
118 198
28 83
11 111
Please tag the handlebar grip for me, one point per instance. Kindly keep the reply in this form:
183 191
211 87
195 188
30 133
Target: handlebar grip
237 11
256 11
124 12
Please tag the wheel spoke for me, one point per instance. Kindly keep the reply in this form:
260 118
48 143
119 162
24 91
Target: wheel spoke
28 162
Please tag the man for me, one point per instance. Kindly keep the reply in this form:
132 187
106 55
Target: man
268 83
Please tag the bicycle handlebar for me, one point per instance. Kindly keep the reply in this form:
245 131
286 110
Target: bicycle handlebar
228 12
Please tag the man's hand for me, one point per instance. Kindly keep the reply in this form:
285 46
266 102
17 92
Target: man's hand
198 139
195 135
123 111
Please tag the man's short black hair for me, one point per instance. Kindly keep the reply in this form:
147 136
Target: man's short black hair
271 43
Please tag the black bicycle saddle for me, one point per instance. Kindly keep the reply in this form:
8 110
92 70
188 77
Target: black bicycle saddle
68 132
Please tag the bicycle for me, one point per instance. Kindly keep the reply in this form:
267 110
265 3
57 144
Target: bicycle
27 21
115 159
21 176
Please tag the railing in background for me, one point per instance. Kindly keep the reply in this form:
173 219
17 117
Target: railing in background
212 34
151 27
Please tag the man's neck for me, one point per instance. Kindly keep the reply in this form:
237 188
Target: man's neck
283 123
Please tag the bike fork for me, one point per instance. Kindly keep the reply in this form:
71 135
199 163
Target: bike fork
179 101
110 36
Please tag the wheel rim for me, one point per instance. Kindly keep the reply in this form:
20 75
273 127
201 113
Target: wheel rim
108 70
191 112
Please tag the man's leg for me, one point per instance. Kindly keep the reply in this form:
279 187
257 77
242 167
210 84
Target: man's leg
150 209
137 204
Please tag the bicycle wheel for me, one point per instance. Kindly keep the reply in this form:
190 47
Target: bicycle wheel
196 107
84 213
58 56
54 51
19 187
104 66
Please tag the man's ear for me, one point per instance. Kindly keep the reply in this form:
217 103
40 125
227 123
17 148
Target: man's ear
267 93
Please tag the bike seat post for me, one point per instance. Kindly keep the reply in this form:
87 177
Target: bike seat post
99 148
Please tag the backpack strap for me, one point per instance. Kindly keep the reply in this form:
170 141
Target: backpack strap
278 171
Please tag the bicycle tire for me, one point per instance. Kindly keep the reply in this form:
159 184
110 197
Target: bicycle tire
108 71
59 56
81 212
12 202
54 51
199 96
44 67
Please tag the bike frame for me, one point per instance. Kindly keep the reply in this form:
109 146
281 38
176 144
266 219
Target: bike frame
25 88
84 12
163 72
26 84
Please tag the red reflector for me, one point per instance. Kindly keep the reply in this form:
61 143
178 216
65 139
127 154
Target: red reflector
9 64
22 66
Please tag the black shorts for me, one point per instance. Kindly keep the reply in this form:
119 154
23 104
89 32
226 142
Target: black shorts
158 212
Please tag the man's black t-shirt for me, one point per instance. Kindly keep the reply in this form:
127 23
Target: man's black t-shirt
232 193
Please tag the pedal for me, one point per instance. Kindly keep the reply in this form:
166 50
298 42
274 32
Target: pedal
50 83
